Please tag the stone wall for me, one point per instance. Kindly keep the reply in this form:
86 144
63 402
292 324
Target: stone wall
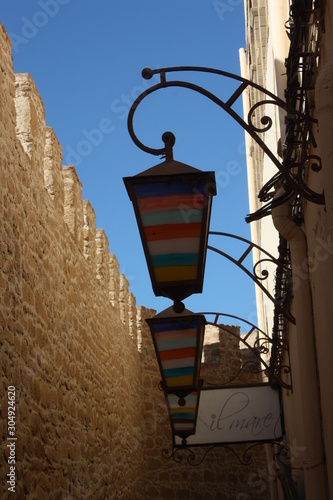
203 472
90 421
64 319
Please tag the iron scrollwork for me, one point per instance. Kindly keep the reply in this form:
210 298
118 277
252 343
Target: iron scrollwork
264 349
257 275
196 455
291 171
304 30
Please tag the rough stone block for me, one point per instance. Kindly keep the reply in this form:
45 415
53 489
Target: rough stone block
73 205
102 258
53 179
30 120
7 87
114 283
89 233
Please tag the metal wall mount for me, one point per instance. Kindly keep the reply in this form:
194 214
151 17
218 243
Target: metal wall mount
263 348
291 171
259 275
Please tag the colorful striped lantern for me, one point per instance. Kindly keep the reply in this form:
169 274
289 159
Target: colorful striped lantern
178 341
172 203
183 417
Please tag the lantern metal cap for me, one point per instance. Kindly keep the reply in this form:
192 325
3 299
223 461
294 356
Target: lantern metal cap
171 168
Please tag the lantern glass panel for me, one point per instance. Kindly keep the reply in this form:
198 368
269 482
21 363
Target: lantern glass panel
178 345
183 418
172 203
171 215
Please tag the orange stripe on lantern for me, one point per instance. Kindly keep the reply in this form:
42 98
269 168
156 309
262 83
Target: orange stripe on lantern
180 202
188 352
172 231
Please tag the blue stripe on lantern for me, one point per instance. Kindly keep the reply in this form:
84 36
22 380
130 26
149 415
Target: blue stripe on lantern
178 372
183 416
175 259
168 188
174 325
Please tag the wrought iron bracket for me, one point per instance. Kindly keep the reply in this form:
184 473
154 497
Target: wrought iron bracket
194 456
292 173
262 347
304 29
281 305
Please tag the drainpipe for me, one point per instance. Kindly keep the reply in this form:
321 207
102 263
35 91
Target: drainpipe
310 415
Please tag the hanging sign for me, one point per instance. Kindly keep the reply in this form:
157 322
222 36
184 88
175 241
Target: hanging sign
237 415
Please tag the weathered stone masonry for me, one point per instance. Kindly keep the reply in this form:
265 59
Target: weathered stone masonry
90 421
64 321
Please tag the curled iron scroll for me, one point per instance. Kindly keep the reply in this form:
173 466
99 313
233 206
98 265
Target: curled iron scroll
196 456
297 118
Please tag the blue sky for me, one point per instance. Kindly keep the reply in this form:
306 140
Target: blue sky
86 59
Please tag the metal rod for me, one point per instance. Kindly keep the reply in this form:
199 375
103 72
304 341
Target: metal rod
295 182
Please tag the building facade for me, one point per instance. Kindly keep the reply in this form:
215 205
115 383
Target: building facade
288 51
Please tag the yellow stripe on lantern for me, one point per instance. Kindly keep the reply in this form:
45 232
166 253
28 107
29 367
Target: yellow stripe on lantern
179 381
175 273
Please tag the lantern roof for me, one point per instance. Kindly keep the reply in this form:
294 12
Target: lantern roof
173 168
169 167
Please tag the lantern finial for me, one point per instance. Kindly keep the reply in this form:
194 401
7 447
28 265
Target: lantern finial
169 141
